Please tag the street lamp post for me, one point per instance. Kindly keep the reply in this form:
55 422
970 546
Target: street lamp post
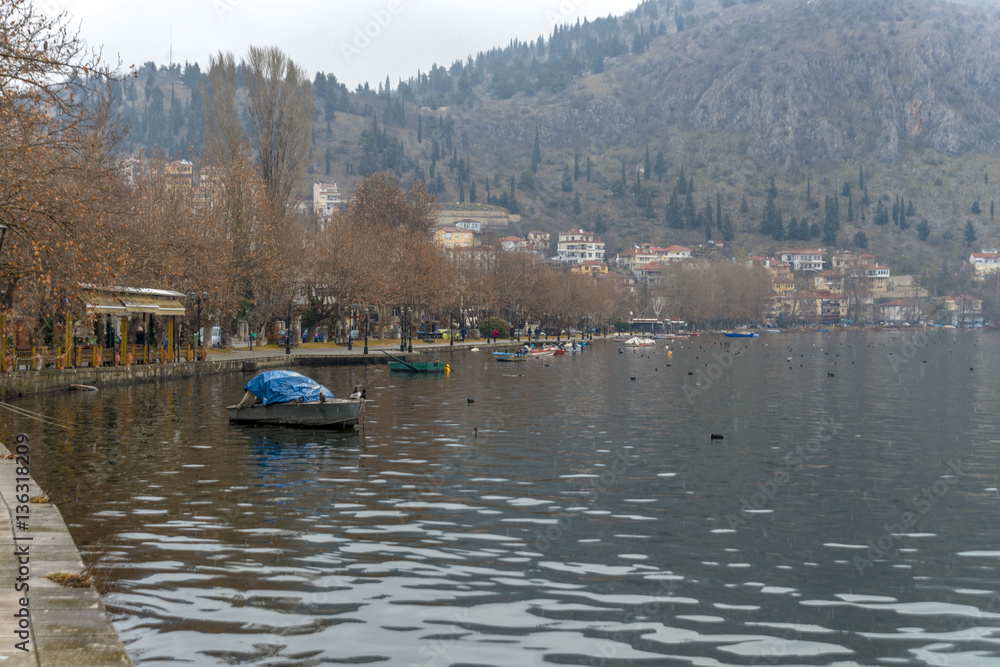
288 329
402 329
366 330
198 298
409 328
350 329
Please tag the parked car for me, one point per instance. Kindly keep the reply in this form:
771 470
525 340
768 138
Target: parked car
216 336
283 338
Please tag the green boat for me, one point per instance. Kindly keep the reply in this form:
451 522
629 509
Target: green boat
419 366
404 366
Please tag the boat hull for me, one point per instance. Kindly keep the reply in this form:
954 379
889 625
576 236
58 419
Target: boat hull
741 335
508 356
338 413
418 367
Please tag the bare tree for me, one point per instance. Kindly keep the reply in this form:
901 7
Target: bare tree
279 99
60 189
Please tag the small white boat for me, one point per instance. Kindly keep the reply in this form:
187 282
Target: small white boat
288 398
640 341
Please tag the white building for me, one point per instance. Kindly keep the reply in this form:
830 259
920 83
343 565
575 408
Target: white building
326 198
985 262
577 246
469 225
804 260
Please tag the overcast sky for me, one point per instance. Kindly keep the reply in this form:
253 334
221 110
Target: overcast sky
356 40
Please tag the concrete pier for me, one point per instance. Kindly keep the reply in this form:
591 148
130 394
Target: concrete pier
43 623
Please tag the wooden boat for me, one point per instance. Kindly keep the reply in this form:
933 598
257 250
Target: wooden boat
509 356
419 366
541 352
288 398
741 334
403 366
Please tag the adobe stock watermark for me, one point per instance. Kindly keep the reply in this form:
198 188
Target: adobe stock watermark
705 378
564 13
433 652
920 504
911 345
792 462
364 34
608 646
223 7
594 487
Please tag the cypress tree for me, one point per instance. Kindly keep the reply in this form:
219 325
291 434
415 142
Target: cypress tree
536 154
576 165
646 167
588 169
690 215
728 230
718 211
861 177
673 216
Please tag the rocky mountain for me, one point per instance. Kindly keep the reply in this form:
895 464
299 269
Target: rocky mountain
863 103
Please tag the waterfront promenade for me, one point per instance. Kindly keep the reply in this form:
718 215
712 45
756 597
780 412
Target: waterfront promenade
43 623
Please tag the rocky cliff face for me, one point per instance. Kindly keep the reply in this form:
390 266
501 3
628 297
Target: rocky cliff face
829 80
792 83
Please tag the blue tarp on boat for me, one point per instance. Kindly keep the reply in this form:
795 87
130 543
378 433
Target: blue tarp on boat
286 387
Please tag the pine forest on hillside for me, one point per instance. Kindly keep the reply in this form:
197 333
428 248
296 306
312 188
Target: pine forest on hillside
736 128
593 126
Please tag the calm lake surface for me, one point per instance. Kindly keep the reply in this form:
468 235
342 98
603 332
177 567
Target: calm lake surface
849 516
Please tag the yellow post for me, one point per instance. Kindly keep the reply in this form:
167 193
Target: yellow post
69 339
170 339
124 339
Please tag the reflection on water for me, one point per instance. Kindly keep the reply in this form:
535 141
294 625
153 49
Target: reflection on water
568 515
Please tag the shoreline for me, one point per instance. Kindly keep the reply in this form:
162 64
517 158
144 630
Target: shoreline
239 360
48 624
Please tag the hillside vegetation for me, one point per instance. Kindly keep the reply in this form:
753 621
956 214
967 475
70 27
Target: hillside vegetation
846 106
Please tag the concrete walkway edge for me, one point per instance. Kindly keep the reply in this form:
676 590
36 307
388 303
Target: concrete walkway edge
43 623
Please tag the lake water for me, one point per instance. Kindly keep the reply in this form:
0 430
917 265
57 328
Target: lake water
574 511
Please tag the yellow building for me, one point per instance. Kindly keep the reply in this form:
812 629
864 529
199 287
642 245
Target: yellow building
453 237
590 268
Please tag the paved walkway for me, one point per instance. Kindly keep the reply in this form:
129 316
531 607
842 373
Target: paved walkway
43 623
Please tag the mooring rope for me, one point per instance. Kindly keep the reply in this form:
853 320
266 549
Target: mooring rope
23 412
